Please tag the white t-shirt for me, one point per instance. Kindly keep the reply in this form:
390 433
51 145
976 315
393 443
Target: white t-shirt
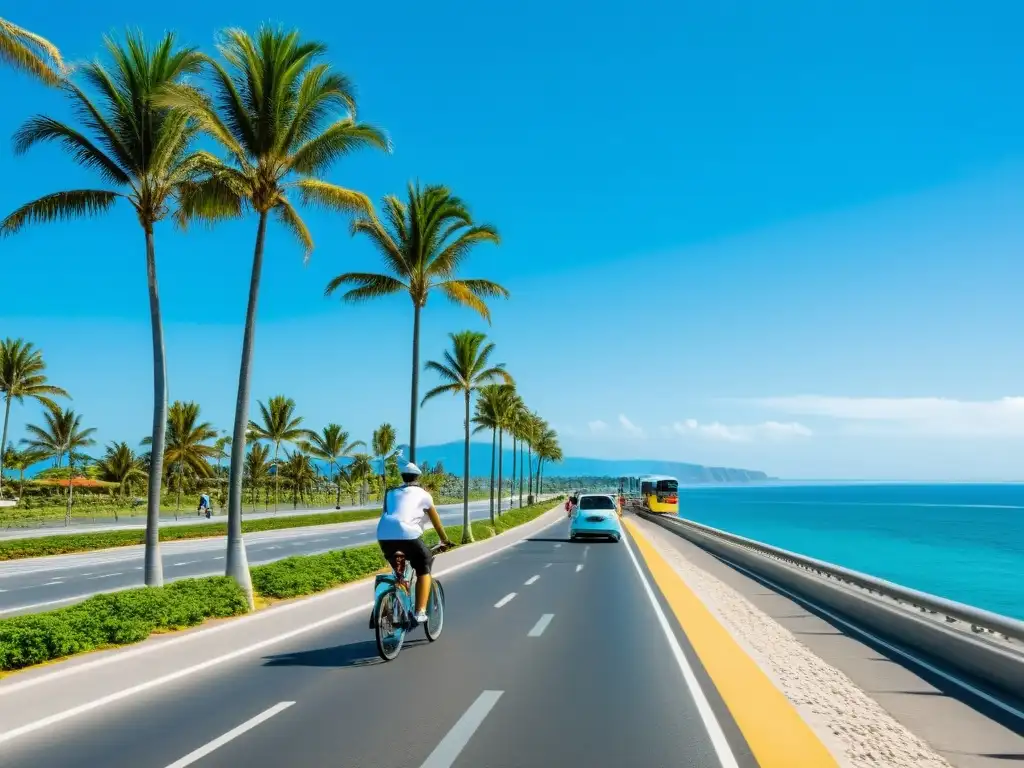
406 516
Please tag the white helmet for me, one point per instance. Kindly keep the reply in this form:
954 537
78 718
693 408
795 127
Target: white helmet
410 469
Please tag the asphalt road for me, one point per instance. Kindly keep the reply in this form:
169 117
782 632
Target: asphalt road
553 654
39 584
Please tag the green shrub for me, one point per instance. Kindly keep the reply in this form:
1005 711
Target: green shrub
305 575
118 618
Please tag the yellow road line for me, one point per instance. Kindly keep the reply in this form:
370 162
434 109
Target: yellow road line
775 732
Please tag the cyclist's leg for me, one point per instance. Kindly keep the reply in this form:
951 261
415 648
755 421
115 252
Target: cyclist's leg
421 559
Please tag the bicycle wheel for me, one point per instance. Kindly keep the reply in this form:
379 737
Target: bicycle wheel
435 611
390 629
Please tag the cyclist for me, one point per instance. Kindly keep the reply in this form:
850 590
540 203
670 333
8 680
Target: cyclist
407 510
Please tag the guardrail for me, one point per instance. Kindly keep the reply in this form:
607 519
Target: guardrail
987 645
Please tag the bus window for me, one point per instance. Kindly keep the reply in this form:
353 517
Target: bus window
668 491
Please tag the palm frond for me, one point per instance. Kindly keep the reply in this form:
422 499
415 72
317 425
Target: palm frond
442 389
289 217
201 109
451 257
58 206
332 197
41 128
369 286
338 140
458 293
31 53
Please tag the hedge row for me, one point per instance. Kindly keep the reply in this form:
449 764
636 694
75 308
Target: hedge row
15 549
129 616
117 618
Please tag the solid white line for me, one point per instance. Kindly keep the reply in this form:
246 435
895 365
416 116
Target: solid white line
202 634
451 746
234 733
186 562
51 583
221 557
530 580
722 749
505 600
540 626
579 567
888 646
549 565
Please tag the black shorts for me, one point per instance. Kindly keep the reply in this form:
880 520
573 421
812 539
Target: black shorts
417 554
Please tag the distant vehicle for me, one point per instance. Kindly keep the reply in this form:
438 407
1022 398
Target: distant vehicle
595 516
658 493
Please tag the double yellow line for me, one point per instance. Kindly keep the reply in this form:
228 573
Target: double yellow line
775 732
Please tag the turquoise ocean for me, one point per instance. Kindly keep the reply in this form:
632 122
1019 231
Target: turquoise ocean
964 542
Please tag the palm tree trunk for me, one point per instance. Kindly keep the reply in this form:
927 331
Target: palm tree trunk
520 474
494 443
71 490
337 481
237 564
467 530
529 496
154 567
512 485
415 382
501 432
277 477
3 443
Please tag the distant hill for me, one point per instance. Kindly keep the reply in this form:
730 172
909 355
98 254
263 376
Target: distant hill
450 454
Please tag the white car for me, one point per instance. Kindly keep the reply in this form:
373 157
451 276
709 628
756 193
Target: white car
596 515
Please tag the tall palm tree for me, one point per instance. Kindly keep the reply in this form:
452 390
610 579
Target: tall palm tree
520 431
283 119
331 446
22 375
121 465
423 242
506 406
547 449
21 461
465 369
257 469
31 53
360 470
486 418
383 445
142 153
280 425
62 436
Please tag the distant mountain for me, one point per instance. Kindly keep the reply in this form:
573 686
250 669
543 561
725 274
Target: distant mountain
450 454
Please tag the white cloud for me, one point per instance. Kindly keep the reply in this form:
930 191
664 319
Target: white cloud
919 415
630 428
597 426
742 433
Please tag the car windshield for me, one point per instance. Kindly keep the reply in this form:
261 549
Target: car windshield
597 502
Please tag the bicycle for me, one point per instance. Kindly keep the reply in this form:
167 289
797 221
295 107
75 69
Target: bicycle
393 612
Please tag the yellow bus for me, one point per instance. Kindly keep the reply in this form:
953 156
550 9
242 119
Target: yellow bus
657 493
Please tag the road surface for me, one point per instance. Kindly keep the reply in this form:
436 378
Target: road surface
553 653
45 583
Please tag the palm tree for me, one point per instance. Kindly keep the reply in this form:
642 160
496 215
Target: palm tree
187 451
62 436
31 53
220 447
297 470
257 469
466 368
423 244
269 112
486 417
547 449
383 445
331 446
360 469
121 465
506 406
22 375
142 151
280 425
21 461
519 430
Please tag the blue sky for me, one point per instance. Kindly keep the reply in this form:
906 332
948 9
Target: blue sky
778 236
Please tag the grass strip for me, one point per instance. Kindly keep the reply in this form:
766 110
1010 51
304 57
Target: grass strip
65 544
132 615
